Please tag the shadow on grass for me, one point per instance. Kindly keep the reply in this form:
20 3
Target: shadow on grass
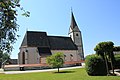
65 72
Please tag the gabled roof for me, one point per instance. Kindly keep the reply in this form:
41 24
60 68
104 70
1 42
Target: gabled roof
73 24
40 39
35 39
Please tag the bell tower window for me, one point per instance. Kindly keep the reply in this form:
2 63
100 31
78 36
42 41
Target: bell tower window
76 34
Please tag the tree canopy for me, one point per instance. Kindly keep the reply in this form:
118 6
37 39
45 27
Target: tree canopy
8 24
105 49
56 60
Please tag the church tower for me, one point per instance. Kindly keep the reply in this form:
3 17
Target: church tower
76 36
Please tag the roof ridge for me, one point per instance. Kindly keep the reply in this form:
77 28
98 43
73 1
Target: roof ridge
60 36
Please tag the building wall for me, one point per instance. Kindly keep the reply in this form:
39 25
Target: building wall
31 55
77 39
69 55
116 52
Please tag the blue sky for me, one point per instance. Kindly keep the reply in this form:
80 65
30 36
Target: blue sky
98 20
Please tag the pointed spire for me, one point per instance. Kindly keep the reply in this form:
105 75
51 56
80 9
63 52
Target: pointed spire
73 24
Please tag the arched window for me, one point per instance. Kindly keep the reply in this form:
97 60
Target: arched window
71 57
23 57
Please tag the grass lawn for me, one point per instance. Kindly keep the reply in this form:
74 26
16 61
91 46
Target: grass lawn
74 74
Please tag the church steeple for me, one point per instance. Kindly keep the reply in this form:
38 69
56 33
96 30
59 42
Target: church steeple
73 24
76 35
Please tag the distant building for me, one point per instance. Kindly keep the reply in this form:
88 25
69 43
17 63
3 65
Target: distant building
116 52
36 46
13 61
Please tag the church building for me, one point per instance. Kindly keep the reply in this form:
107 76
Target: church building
36 46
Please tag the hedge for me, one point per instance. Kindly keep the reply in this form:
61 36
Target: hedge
95 65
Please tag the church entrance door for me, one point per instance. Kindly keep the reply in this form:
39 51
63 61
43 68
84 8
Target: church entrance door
23 58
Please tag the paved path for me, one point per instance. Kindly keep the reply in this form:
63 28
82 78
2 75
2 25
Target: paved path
44 70
116 72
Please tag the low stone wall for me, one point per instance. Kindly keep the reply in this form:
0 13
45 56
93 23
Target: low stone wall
12 69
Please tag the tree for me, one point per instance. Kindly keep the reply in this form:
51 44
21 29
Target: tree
8 25
3 57
116 48
56 60
105 49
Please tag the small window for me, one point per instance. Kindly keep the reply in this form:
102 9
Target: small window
71 57
76 34
26 50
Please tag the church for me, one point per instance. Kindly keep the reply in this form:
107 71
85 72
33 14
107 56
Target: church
37 45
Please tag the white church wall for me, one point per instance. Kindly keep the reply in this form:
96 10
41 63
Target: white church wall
116 52
71 34
43 60
31 55
69 55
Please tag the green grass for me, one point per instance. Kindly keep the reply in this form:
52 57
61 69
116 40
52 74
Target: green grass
74 74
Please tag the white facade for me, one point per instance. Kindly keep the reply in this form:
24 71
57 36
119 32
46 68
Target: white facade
69 55
31 55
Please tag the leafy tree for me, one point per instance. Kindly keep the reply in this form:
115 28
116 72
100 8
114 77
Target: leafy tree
105 49
8 25
56 60
3 57
116 48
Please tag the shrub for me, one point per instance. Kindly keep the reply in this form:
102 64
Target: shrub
95 65
117 61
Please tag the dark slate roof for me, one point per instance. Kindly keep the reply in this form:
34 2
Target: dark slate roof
73 24
61 43
35 39
40 39
24 42
44 51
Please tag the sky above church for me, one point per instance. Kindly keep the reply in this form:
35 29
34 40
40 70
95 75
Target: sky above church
98 20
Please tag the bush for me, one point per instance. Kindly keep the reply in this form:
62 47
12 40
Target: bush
95 65
117 61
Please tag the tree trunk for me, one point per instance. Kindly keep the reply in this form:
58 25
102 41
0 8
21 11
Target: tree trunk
112 61
106 63
0 64
112 67
58 69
